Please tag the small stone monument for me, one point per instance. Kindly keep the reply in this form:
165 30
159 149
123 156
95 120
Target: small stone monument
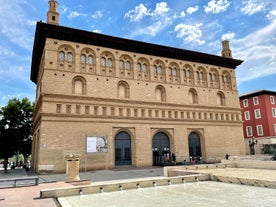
72 168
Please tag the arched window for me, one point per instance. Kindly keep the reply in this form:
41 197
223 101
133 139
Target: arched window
139 67
83 59
221 99
126 65
169 71
142 69
160 70
214 78
87 60
123 89
107 63
160 93
61 56
145 68
103 62
193 99
66 57
79 85
226 80
154 69
69 57
90 60
174 72
201 76
122 65
188 74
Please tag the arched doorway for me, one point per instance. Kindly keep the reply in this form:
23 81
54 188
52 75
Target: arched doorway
194 145
160 146
122 149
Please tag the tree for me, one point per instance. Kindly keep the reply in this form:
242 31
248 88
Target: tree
16 128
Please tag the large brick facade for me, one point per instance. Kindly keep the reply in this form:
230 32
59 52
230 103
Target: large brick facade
95 85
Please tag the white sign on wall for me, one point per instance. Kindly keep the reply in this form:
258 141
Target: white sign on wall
96 144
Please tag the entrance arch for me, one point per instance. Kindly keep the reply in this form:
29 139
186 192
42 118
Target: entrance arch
194 145
122 149
160 146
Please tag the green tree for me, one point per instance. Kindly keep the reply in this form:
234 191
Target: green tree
16 128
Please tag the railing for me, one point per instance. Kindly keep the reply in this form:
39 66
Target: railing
183 160
18 182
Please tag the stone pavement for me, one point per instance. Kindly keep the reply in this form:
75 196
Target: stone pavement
256 174
29 196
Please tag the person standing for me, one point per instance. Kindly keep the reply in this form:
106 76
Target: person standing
5 163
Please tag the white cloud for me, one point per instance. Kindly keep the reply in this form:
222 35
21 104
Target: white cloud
182 14
189 33
141 11
62 9
97 31
137 14
258 52
17 72
191 10
73 14
217 6
154 28
97 15
271 15
15 24
156 19
228 36
251 8
161 8
5 52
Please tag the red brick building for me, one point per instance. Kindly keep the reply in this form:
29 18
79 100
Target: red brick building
259 119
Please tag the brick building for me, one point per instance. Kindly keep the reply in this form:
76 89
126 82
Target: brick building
259 119
117 101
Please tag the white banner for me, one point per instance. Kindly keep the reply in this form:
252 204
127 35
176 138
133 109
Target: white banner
96 144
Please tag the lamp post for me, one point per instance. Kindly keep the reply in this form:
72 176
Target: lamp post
252 143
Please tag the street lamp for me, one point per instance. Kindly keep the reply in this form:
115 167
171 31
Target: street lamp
252 143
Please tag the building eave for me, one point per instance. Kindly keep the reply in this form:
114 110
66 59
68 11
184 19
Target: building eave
44 31
257 93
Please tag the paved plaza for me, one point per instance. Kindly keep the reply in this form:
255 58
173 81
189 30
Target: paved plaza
29 196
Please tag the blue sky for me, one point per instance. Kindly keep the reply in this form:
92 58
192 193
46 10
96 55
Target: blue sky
198 25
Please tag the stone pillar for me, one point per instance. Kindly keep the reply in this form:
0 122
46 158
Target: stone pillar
72 167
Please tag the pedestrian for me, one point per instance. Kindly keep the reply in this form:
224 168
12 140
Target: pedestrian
5 163
227 156
173 157
184 162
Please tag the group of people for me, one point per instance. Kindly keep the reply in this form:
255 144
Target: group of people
169 157
12 165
